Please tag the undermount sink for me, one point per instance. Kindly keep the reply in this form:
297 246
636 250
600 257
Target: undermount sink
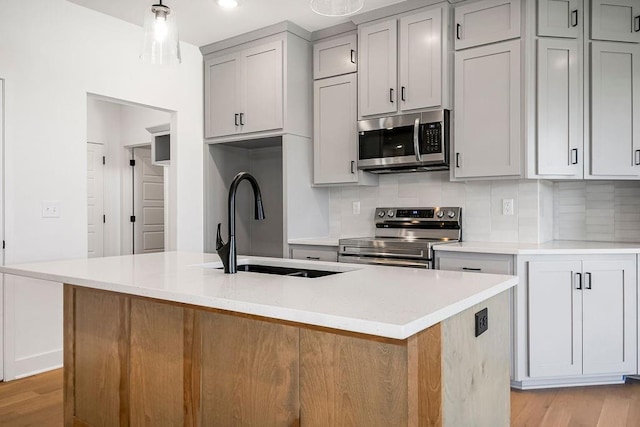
285 271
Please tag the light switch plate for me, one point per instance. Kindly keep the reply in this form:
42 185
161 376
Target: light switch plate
50 209
507 206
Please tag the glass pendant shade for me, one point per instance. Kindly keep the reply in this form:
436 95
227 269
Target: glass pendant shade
161 45
336 7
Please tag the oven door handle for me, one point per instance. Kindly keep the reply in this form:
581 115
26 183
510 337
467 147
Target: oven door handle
353 251
383 261
416 139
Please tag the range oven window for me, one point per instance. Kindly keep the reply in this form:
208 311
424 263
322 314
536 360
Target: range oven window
377 144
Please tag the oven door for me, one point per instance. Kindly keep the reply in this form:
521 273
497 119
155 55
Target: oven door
393 262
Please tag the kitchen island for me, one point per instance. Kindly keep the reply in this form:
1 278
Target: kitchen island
168 339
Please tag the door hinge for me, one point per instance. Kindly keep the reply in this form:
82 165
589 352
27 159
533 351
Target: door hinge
104 160
132 162
133 218
104 219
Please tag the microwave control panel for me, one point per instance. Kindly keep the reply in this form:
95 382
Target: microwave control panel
431 138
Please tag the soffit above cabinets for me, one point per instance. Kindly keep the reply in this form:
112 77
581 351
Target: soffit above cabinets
202 22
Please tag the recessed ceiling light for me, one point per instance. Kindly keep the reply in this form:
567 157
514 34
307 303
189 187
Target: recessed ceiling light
228 4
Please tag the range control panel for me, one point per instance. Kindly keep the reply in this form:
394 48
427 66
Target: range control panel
436 214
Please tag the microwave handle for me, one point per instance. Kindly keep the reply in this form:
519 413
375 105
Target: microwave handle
416 139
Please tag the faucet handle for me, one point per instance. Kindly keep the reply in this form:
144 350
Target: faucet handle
219 242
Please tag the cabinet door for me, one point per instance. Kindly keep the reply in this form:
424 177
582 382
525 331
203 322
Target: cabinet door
560 18
615 20
609 317
615 110
335 150
334 57
555 313
421 60
378 73
262 88
487 111
559 109
222 95
486 22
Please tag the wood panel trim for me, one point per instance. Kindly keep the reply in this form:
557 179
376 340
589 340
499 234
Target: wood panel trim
69 351
192 368
124 354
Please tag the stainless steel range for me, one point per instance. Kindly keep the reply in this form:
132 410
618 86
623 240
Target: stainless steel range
404 237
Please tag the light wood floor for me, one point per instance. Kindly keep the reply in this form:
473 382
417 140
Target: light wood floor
37 401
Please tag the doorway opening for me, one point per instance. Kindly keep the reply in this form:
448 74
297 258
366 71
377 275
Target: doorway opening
127 177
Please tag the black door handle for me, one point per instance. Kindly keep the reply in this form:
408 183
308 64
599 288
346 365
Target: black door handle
457 160
352 166
402 90
636 159
241 119
574 156
353 61
579 275
458 26
391 95
236 119
636 23
574 18
587 275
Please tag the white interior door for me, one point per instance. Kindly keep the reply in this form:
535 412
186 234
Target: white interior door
148 204
2 227
95 199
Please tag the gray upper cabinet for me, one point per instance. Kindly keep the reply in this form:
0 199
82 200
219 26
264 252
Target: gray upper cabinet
485 22
335 57
243 91
615 20
402 66
615 110
560 18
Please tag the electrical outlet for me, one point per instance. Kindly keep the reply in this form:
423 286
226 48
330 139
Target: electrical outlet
507 206
50 209
356 208
482 321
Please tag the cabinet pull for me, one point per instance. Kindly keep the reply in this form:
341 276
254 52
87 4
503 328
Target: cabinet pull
353 60
402 90
574 18
471 269
241 119
458 26
315 258
579 276
574 156
587 283
636 156
391 95
236 118
353 163
636 23
457 160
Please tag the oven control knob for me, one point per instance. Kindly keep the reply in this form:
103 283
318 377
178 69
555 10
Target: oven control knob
381 214
390 214
440 214
451 214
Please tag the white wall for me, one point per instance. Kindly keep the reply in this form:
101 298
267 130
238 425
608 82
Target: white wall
481 203
53 53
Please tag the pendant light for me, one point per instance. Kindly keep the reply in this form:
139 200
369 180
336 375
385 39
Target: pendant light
161 45
336 7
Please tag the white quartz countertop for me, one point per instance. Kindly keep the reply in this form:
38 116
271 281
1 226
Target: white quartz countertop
554 247
391 302
316 241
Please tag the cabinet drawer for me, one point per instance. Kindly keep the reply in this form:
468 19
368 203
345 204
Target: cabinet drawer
315 254
334 57
486 22
478 263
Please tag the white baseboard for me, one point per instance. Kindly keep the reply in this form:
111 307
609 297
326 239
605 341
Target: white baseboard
32 365
567 382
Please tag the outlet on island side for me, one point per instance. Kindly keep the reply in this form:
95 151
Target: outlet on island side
356 208
482 321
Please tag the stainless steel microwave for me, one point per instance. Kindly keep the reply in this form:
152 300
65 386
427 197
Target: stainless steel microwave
409 142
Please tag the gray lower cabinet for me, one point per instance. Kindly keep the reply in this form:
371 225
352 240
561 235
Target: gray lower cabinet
314 253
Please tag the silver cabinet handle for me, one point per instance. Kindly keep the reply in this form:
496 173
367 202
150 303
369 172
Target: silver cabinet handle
241 119
587 283
574 18
416 139
353 166
579 277
353 60
636 157
574 156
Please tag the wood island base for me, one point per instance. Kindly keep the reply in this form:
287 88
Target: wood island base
130 360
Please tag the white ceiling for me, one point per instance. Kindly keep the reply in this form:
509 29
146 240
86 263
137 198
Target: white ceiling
201 22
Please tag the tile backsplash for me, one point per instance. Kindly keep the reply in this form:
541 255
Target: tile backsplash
481 202
597 210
